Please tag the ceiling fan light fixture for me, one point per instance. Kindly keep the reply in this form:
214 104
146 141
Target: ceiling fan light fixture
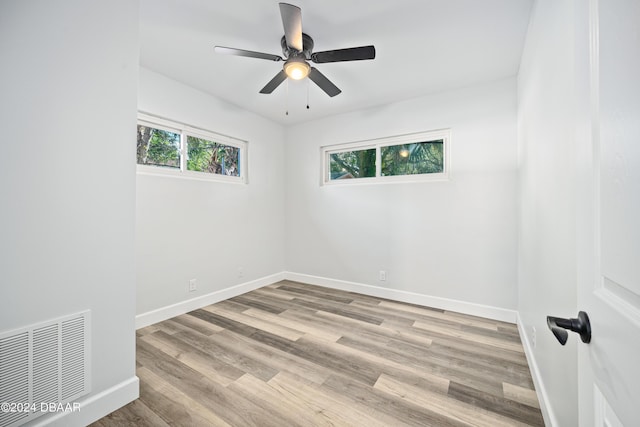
296 69
297 54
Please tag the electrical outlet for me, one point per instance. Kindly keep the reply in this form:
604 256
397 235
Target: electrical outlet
240 272
533 336
193 285
382 276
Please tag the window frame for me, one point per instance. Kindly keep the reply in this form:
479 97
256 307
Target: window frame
412 138
184 131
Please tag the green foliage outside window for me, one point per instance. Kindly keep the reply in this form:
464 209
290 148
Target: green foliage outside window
353 164
158 147
411 159
212 157
403 159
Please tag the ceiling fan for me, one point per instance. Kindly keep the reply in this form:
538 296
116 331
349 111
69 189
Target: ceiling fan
297 50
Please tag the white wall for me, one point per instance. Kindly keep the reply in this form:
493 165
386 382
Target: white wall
547 237
67 179
207 230
454 239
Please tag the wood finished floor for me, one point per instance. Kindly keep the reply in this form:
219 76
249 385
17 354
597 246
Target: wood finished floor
292 354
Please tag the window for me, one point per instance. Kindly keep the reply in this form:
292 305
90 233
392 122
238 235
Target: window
353 164
412 159
158 147
416 157
212 157
169 148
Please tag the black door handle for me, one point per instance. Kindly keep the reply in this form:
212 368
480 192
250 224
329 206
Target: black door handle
581 325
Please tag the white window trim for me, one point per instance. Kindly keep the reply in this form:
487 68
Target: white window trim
187 130
443 134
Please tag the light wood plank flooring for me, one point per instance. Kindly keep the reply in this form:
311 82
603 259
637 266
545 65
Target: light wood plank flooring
291 354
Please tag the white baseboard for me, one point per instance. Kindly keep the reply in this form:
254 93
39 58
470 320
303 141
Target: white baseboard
473 309
94 406
164 313
545 406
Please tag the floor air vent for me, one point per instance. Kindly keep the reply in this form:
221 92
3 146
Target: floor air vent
41 365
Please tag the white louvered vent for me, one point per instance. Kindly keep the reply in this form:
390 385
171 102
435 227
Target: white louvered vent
42 364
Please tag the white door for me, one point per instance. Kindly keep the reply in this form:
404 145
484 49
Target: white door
608 216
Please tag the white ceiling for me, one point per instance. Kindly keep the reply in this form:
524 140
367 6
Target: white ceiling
422 46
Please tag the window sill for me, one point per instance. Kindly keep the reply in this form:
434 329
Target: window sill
189 175
400 179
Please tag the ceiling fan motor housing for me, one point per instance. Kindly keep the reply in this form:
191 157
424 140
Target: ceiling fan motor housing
307 48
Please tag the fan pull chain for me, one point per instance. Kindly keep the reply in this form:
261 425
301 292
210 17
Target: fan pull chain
287 100
308 93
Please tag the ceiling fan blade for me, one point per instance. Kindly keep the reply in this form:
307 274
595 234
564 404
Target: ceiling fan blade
274 83
325 84
247 53
349 54
292 22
